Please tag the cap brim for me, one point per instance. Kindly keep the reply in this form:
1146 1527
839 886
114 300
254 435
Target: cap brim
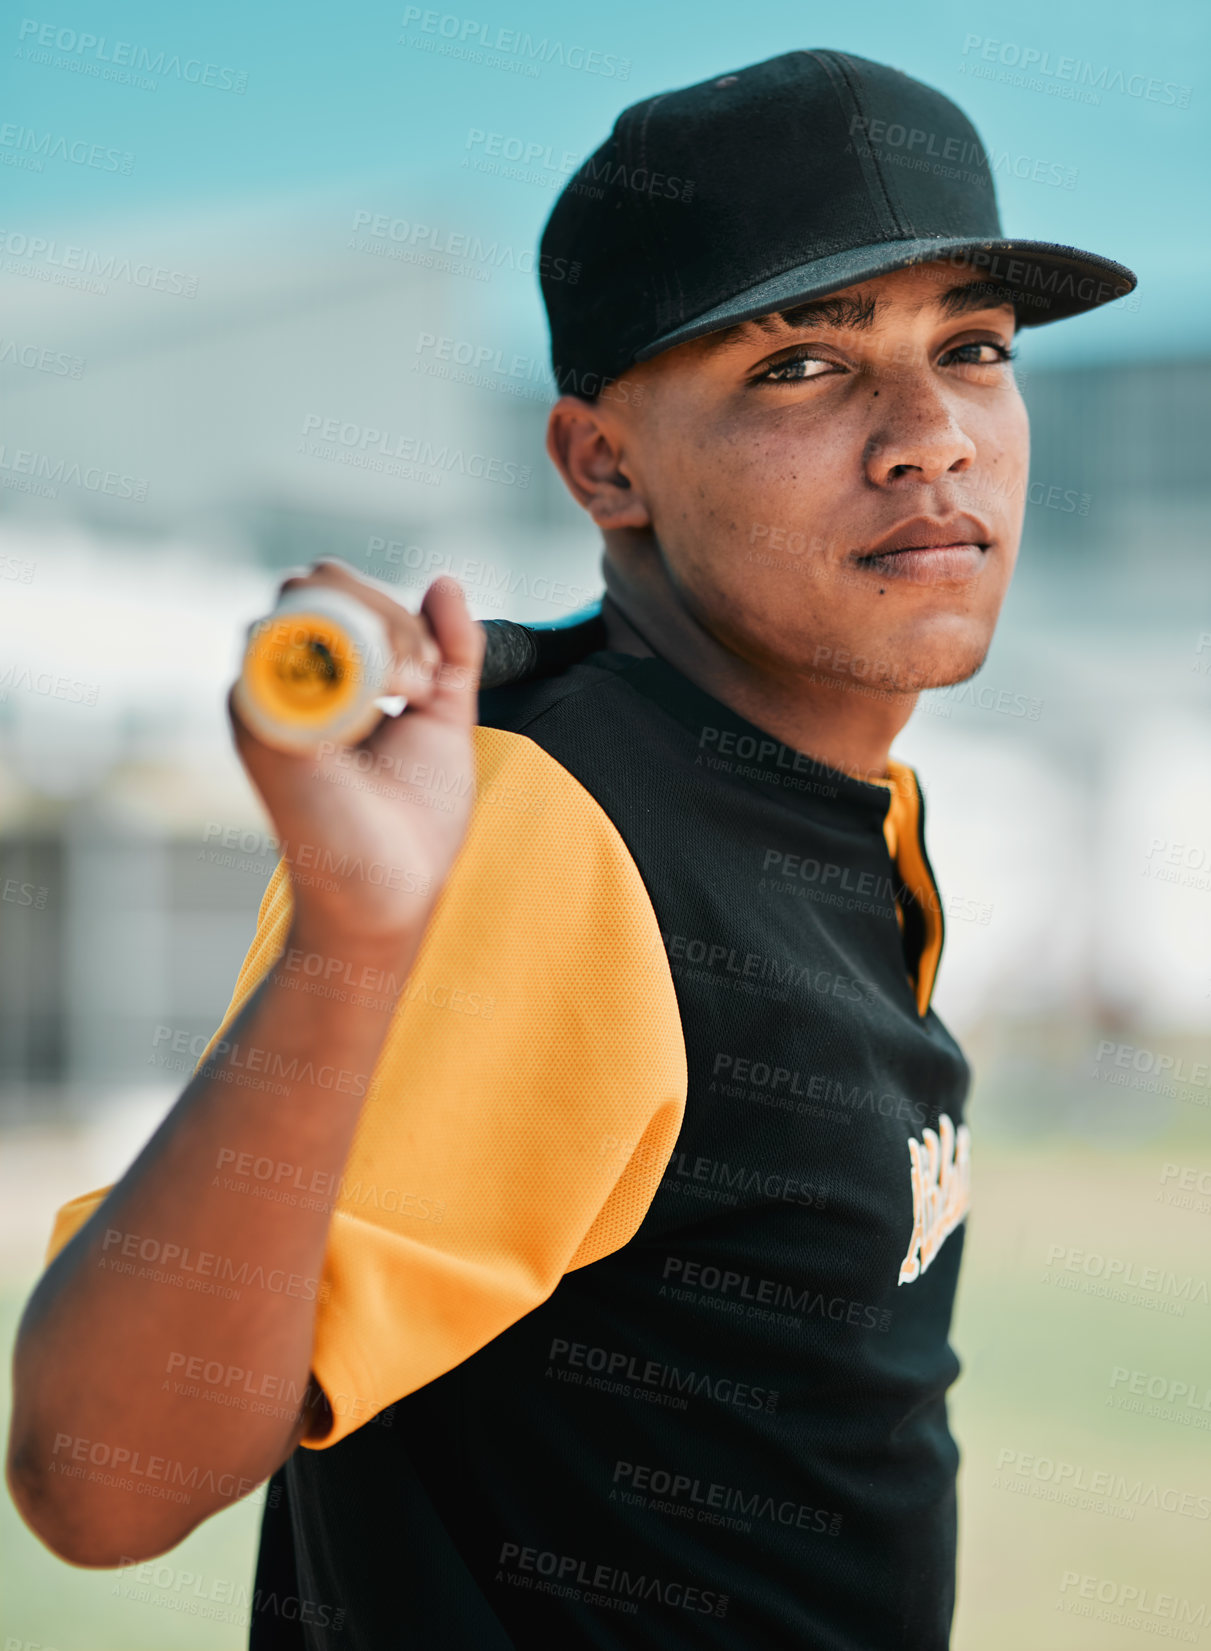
1050 282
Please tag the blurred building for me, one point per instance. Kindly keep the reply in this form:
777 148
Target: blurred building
344 405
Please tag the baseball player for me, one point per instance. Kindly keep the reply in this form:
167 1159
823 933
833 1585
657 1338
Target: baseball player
565 1218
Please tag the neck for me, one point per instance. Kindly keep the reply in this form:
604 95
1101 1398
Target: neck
832 720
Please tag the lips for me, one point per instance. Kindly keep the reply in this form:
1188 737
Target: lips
929 533
925 565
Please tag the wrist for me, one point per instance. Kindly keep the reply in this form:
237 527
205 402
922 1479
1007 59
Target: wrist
353 960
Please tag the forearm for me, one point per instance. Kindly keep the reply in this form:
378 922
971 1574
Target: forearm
185 1270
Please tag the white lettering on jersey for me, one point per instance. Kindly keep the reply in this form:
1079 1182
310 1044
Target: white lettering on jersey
941 1192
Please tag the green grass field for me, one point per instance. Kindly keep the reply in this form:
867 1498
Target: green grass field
1033 1408
1039 1394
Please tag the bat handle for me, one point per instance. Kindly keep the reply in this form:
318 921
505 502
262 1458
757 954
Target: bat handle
517 652
316 669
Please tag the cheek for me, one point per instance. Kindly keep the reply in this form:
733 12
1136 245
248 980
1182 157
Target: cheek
998 487
743 483
744 517
1005 441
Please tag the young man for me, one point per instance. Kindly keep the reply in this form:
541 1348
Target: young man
625 1285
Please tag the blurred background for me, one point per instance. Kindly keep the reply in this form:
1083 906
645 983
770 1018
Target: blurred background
227 230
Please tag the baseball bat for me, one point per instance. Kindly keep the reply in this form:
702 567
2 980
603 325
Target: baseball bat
316 668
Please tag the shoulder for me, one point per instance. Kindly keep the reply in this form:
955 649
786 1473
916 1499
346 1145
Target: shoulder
519 706
597 721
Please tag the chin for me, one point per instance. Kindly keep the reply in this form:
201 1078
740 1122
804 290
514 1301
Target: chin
940 657
945 667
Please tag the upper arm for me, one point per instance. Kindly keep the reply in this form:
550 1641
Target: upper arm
527 1099
524 1106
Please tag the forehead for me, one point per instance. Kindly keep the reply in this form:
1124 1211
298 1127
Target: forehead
922 289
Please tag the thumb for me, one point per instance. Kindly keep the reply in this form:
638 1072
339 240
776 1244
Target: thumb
462 642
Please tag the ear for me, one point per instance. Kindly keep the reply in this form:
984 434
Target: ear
588 444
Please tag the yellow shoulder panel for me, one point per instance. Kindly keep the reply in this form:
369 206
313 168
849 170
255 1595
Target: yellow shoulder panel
526 1101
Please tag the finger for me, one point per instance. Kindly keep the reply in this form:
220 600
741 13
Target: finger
415 653
462 642
330 570
275 774
417 659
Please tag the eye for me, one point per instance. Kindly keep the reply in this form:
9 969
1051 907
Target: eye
1001 354
792 369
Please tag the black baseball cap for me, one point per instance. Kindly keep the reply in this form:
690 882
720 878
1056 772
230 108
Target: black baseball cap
767 186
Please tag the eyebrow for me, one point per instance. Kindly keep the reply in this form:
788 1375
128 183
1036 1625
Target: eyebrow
858 314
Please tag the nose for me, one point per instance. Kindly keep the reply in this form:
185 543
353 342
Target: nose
918 438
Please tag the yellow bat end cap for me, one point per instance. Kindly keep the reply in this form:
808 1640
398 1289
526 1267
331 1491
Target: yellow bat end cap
303 668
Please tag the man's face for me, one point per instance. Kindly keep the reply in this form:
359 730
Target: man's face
775 462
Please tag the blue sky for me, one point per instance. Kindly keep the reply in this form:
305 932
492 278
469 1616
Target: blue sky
345 108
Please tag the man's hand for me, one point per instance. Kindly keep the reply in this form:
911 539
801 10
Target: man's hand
400 800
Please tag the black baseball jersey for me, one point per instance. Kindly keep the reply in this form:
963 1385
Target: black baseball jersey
729 1427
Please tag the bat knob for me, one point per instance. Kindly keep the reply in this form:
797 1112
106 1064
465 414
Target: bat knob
313 671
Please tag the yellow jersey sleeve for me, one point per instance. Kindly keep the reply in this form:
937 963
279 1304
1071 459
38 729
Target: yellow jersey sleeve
526 1101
